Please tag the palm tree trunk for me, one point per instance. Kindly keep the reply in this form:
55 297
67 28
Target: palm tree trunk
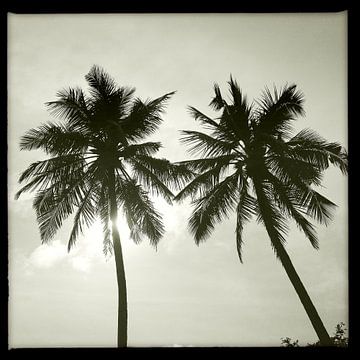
120 270
310 309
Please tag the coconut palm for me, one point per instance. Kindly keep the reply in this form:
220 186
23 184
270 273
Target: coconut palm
98 163
252 164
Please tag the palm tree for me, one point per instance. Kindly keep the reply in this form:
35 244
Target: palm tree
252 164
98 163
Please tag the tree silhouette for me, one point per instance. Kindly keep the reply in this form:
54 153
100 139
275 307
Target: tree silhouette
98 163
252 164
339 339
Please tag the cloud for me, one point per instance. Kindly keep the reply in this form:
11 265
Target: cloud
81 263
87 253
47 255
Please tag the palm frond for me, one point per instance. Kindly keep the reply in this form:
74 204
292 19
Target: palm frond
103 213
103 86
85 215
158 105
311 147
235 118
287 98
204 144
51 210
234 125
38 183
144 117
108 247
246 208
307 228
54 204
72 105
318 206
217 103
286 196
269 214
146 177
110 104
135 231
109 113
276 112
238 98
139 208
171 174
56 170
55 139
291 169
207 178
298 175
205 120
200 185
213 207
52 166
204 164
148 148
54 188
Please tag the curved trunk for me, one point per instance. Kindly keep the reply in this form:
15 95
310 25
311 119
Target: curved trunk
310 309
120 270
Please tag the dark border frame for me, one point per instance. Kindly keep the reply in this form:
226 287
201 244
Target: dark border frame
105 6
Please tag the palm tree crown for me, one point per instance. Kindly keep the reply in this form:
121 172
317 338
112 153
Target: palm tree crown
252 164
99 141
98 163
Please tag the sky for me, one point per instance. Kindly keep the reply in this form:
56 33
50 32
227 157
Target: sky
179 294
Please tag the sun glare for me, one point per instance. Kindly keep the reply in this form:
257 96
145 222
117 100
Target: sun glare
170 219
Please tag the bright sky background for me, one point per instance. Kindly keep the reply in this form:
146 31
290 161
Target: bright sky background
181 293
